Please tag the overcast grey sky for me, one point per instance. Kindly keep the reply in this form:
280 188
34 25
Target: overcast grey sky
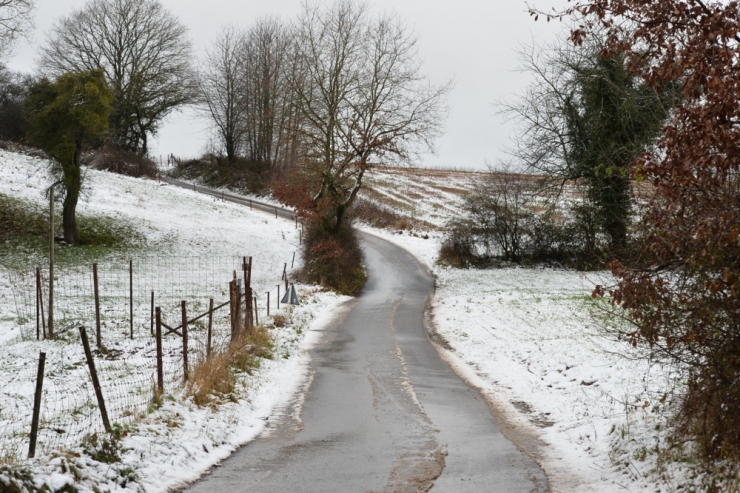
472 42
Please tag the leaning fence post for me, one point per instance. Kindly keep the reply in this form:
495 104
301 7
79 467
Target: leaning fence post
94 376
37 406
131 295
98 335
160 368
210 328
292 261
184 340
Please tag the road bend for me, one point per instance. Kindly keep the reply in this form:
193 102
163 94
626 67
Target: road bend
381 411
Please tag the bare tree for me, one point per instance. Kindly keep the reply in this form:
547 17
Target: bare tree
15 20
362 101
585 118
267 98
145 54
222 87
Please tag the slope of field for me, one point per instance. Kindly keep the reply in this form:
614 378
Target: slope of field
163 445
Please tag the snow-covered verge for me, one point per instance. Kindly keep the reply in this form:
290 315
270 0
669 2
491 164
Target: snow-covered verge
533 340
164 446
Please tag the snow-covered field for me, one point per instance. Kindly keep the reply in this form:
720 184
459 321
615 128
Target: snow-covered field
176 443
533 341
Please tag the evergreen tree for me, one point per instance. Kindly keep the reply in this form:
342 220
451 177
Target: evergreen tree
65 115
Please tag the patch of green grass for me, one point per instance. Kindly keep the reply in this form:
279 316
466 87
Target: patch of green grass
24 240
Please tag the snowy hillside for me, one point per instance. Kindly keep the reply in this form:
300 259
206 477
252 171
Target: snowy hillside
182 240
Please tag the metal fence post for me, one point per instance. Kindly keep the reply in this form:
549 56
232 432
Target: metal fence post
131 295
51 262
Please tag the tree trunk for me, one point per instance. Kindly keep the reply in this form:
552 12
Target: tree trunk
144 144
230 148
72 182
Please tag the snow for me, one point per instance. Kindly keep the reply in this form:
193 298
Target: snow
176 443
532 340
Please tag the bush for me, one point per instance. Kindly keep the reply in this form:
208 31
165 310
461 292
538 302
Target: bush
458 247
378 216
334 259
212 170
110 158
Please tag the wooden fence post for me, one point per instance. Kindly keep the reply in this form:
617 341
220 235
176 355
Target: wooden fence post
94 376
277 300
131 295
268 303
184 340
249 312
238 315
232 310
210 328
151 317
256 313
292 261
98 335
160 367
37 406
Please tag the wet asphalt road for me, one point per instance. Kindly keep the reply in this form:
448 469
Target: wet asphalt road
382 412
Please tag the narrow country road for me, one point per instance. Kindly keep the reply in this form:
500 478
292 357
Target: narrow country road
381 411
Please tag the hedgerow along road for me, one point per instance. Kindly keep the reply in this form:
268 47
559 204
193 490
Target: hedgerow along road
380 411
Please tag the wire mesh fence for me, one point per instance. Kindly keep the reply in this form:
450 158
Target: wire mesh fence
128 292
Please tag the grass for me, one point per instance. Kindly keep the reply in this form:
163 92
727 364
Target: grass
24 240
215 378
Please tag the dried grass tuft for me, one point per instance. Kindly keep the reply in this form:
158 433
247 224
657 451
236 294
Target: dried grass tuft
216 377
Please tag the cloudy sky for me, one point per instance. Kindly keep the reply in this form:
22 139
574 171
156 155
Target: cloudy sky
471 42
